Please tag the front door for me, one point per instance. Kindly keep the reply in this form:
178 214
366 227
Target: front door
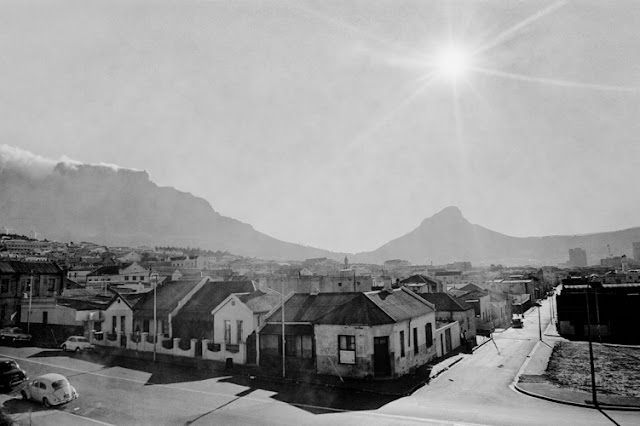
447 339
381 360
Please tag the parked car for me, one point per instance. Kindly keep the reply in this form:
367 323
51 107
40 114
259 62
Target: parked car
14 335
11 375
77 343
49 389
517 322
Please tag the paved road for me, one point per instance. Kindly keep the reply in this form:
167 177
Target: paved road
474 391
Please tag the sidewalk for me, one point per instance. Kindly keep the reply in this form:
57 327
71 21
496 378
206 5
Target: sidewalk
532 380
256 376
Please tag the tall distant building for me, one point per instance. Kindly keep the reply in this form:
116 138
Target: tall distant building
577 257
636 251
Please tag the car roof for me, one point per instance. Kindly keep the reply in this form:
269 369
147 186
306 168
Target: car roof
73 336
7 359
51 377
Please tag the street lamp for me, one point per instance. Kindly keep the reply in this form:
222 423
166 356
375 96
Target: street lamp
154 277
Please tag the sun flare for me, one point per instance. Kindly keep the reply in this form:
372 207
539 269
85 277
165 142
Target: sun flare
453 62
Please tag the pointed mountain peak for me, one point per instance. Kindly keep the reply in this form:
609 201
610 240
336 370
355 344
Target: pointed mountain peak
451 214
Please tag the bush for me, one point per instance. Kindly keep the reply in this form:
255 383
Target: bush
184 344
213 347
167 344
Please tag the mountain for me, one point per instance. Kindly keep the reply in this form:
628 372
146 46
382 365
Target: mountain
447 236
70 201
115 206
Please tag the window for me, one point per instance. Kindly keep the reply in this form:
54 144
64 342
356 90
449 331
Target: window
126 277
429 334
5 285
145 326
114 322
45 317
402 343
227 332
122 323
52 285
298 346
346 349
416 348
239 331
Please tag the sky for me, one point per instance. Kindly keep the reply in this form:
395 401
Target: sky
342 124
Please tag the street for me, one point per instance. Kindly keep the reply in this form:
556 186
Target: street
474 391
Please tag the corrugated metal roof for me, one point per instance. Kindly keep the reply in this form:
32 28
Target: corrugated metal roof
167 297
26 268
332 308
259 301
445 302
211 295
400 304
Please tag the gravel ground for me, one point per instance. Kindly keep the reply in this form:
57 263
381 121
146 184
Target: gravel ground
617 368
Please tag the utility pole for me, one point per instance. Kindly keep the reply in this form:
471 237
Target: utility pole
155 315
593 373
282 320
30 298
539 323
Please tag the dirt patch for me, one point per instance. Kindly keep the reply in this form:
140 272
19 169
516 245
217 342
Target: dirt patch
617 368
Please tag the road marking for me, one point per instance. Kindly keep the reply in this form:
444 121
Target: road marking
248 398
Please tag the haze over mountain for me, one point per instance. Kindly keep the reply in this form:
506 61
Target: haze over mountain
447 236
70 201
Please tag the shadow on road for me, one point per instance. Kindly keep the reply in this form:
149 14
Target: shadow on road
315 399
312 397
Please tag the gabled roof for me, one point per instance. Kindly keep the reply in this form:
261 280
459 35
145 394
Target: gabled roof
418 279
131 299
211 295
445 302
331 308
106 270
167 297
472 287
259 301
26 268
371 308
400 304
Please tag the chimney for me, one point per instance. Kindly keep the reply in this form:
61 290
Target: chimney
387 285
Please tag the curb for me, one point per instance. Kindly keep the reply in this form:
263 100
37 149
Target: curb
514 385
576 404
475 348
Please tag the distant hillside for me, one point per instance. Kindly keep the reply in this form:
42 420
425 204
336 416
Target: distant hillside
448 236
123 207
67 201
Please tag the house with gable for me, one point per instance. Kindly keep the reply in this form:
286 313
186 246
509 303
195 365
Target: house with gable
422 284
118 316
169 298
386 333
194 320
235 321
449 308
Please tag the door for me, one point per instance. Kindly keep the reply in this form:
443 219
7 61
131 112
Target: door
447 339
251 348
381 360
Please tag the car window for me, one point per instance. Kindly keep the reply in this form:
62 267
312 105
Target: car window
83 339
59 384
72 339
42 385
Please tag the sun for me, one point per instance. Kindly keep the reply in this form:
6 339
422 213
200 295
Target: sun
453 62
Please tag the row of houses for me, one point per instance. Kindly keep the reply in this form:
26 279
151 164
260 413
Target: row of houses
370 333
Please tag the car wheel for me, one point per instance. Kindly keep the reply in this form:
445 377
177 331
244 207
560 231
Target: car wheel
78 349
14 341
24 395
45 402
64 348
